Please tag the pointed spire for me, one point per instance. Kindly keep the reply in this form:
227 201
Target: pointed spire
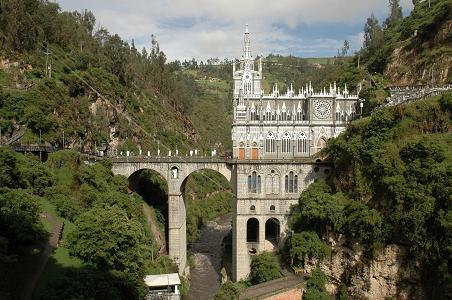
247 44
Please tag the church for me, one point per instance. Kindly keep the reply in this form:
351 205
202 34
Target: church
283 124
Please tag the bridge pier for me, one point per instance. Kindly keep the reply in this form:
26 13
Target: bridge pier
177 242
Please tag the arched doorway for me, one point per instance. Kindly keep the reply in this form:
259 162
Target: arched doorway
272 233
252 230
242 151
255 152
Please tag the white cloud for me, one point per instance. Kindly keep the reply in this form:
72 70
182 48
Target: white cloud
213 28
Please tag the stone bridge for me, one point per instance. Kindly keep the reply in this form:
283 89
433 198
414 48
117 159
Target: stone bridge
263 192
175 170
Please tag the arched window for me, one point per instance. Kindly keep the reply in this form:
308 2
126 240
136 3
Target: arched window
272 208
285 143
302 143
259 184
291 183
270 143
174 172
254 183
252 208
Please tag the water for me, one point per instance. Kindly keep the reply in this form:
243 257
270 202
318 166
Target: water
205 277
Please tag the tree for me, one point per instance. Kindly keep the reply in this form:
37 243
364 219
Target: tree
106 237
306 244
316 286
9 164
264 267
227 291
19 220
395 14
345 48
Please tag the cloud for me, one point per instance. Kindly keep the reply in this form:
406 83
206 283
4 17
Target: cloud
213 28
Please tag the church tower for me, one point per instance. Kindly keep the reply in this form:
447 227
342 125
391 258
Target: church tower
247 80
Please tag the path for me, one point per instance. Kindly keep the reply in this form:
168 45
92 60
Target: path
205 276
154 229
269 288
43 258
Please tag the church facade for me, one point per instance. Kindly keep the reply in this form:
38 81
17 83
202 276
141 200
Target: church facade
284 124
274 138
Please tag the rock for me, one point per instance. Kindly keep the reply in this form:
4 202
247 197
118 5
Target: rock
391 274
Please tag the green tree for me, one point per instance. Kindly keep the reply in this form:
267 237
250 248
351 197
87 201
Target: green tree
395 14
9 164
110 245
306 244
316 286
228 291
264 267
19 220
363 223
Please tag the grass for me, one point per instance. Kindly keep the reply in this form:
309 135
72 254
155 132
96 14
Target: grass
321 60
60 260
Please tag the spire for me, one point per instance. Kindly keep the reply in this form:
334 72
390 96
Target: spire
247 44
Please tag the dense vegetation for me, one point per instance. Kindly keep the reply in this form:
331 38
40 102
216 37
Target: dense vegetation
86 199
391 184
100 89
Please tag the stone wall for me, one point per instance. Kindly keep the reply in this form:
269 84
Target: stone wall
390 274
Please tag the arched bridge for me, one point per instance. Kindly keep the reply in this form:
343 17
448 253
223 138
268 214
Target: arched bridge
263 192
175 171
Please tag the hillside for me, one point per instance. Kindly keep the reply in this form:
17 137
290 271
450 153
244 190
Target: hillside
389 198
416 49
64 76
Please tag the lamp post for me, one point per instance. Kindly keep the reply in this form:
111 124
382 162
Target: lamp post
40 152
361 104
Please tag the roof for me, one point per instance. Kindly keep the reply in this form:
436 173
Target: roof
162 279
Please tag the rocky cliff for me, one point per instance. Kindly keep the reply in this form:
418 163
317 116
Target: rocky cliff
391 273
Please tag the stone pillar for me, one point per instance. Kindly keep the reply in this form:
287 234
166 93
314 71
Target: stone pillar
240 254
261 234
177 245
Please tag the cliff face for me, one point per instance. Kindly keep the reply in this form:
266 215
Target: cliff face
390 274
421 62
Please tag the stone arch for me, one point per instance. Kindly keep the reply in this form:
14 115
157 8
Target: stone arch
220 168
153 187
272 233
252 230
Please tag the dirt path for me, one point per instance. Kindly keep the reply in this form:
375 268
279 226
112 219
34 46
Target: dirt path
43 258
154 229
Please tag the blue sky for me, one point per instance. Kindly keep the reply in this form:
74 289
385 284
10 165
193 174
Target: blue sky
213 28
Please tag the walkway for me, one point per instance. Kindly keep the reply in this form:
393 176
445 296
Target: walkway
272 287
156 234
43 258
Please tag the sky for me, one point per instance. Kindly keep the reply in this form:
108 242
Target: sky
203 29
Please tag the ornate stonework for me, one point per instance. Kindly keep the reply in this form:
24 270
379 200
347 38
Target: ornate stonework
297 114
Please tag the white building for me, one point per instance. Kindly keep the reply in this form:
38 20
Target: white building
284 124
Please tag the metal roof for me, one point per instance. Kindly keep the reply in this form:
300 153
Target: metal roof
162 280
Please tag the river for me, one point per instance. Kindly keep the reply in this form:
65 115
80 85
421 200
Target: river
205 276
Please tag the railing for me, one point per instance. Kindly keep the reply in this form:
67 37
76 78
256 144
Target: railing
410 93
